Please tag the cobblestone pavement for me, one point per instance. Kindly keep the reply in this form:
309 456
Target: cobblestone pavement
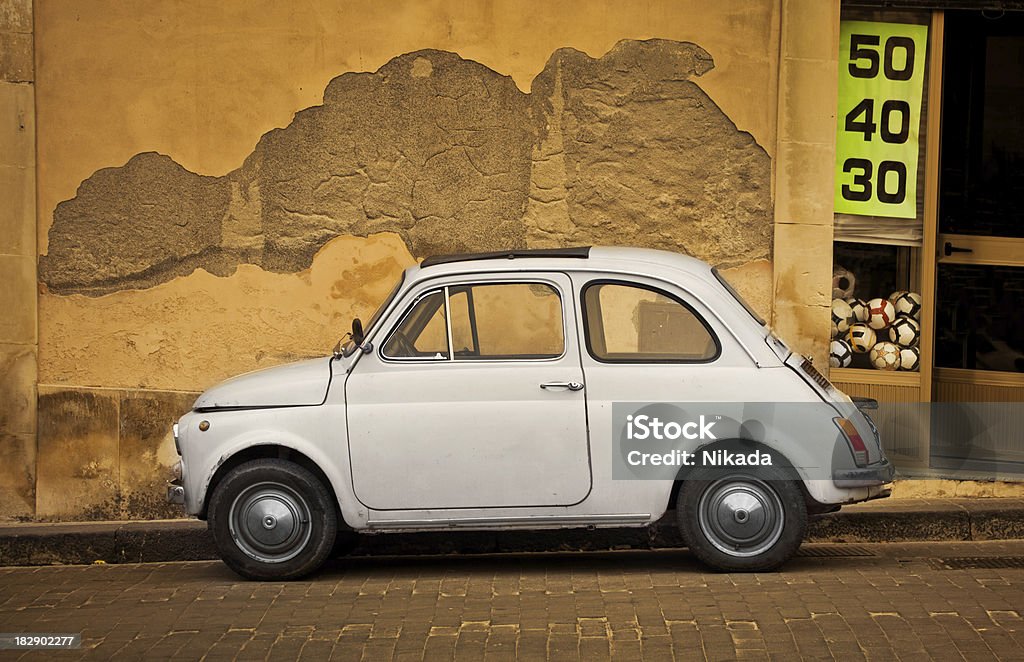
907 601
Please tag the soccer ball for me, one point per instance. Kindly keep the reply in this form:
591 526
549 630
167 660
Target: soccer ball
905 331
896 295
860 309
861 338
909 304
840 354
881 313
885 356
842 317
910 359
843 282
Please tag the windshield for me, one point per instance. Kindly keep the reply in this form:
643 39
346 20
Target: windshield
349 346
746 306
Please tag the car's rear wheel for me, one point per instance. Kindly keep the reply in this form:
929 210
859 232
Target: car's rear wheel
742 520
272 520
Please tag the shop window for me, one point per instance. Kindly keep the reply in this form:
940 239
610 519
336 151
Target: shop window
879 221
872 287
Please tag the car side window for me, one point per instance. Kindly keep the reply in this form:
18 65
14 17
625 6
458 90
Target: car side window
422 333
631 323
489 321
507 321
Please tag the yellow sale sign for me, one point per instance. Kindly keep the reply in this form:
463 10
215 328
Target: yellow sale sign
881 77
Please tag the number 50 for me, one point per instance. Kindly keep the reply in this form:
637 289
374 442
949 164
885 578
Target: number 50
863 181
861 49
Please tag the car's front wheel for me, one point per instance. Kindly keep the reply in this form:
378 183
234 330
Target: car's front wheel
272 519
742 520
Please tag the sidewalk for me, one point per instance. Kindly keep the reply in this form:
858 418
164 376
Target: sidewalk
902 520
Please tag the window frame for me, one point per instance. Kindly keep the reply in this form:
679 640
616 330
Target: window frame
641 361
445 289
401 320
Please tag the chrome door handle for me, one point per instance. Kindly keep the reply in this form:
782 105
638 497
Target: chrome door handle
572 386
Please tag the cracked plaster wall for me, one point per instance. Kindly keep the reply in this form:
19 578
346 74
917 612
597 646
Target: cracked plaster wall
441 150
157 281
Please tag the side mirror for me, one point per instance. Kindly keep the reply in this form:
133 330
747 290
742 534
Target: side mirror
355 341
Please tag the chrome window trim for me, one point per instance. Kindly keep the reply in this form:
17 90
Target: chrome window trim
556 288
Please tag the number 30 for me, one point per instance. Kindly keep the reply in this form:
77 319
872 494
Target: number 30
863 180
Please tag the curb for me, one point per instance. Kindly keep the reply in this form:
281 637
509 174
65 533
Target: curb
905 520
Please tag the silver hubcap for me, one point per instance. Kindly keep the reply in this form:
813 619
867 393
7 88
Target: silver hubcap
741 516
270 522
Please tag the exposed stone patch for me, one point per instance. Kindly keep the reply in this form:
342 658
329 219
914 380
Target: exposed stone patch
146 221
451 156
649 159
431 146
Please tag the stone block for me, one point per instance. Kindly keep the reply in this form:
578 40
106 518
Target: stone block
803 288
803 264
77 466
16 57
18 131
15 15
18 214
18 299
805 329
895 523
810 29
18 389
146 451
17 475
753 281
804 183
809 91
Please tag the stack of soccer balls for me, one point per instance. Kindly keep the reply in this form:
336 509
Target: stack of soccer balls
887 330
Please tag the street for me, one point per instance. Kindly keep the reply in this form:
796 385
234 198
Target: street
871 601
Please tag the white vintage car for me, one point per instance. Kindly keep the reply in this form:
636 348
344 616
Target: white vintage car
532 389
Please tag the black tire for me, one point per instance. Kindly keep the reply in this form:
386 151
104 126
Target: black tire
272 520
753 520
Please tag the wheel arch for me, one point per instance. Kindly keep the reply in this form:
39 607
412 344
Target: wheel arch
269 450
747 446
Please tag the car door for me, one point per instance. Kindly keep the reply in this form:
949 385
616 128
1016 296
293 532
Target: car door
651 342
473 398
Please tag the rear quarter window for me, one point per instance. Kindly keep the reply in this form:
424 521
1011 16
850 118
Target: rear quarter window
630 323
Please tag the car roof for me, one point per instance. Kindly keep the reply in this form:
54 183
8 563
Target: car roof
615 258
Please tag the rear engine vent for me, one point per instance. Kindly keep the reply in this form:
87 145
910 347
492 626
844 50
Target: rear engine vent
818 378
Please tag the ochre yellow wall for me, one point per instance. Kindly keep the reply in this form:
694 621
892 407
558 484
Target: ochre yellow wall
203 82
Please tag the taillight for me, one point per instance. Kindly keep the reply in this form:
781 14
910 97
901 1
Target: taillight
849 430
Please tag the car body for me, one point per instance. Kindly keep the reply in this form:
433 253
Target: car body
494 391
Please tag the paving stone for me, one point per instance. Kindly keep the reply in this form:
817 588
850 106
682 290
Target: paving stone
894 603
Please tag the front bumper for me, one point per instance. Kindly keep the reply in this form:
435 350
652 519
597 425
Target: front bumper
176 492
870 476
176 487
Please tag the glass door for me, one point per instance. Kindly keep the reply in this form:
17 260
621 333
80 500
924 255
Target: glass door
979 308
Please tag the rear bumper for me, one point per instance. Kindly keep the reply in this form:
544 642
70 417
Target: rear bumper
871 476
